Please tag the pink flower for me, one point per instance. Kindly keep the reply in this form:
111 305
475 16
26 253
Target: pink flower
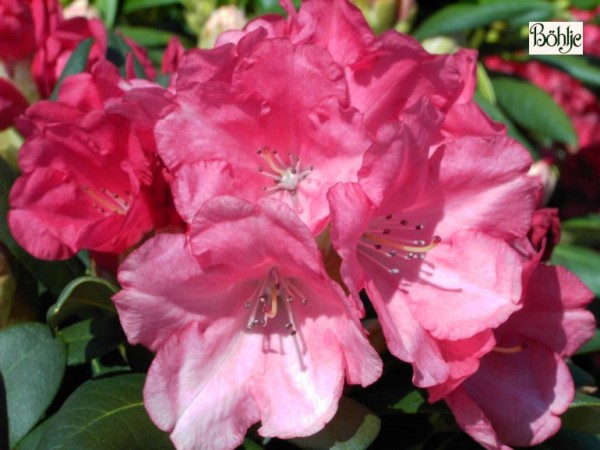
384 74
264 118
12 103
425 232
17 37
255 330
526 369
91 177
57 39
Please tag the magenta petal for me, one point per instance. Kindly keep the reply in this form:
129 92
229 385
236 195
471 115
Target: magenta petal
553 311
535 386
455 301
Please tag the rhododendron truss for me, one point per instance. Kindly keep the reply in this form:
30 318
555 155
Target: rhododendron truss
281 193
255 331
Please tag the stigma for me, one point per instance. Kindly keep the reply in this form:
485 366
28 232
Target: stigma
286 175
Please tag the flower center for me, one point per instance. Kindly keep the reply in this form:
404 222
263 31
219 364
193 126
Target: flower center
274 295
285 175
108 202
389 238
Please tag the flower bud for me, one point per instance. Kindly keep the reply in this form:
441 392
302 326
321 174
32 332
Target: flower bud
222 19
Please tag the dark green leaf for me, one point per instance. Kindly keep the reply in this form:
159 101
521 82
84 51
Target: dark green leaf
581 230
455 18
585 4
32 364
76 64
91 338
496 114
592 346
34 437
118 49
533 109
583 414
580 377
53 275
411 403
354 427
251 445
584 262
130 6
578 66
105 414
83 295
573 440
108 9
147 37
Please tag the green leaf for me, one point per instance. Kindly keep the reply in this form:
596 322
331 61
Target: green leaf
130 6
584 262
251 445
496 114
82 295
584 4
461 17
573 440
91 338
578 66
76 64
34 437
581 230
105 414
118 49
583 414
147 37
108 9
354 427
53 275
533 109
32 364
592 346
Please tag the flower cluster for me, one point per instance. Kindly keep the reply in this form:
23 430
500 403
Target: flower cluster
301 162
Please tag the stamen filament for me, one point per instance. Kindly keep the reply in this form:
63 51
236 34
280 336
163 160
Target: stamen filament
407 248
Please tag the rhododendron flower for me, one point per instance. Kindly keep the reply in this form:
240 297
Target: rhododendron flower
434 255
384 74
54 51
526 369
254 331
17 36
91 177
263 118
12 103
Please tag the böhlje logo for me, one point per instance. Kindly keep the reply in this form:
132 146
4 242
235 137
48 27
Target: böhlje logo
556 38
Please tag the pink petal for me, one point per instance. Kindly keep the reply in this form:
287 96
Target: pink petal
455 301
535 386
553 311
478 192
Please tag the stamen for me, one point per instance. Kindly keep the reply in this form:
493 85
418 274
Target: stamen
509 350
406 248
286 175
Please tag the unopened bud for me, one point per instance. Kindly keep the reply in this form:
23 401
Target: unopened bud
547 173
222 19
